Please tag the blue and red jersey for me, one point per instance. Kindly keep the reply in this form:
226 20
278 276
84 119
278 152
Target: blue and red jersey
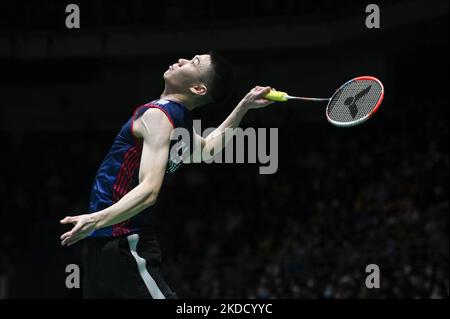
119 171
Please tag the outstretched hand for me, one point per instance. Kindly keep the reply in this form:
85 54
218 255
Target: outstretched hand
255 98
84 226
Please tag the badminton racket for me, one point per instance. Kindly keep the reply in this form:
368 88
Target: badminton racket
352 104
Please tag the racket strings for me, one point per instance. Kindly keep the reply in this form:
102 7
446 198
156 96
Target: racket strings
354 101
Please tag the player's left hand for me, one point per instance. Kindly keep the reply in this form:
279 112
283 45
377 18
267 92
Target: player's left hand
84 225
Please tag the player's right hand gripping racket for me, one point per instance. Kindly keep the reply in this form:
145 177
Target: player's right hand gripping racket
352 104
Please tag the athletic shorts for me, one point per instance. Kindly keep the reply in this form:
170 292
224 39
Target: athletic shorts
123 267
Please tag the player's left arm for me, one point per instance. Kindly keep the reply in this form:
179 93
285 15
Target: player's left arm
155 130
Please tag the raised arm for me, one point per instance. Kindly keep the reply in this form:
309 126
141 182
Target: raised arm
206 148
155 129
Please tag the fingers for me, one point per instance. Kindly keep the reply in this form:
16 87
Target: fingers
265 91
76 233
264 102
75 239
71 238
66 237
256 97
67 220
260 91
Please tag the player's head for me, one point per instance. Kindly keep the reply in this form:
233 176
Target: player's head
204 79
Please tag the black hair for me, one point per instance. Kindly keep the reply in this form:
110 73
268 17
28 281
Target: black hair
223 78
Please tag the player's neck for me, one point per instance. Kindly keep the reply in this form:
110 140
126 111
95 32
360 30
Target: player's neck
180 98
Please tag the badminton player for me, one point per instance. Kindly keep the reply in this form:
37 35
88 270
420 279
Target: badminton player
122 258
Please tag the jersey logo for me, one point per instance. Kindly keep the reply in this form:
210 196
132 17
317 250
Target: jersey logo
176 158
161 102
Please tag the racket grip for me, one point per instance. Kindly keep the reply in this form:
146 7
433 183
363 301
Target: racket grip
276 96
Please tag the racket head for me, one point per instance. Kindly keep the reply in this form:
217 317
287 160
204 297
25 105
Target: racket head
355 101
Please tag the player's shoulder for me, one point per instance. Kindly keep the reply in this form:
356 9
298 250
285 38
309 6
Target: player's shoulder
153 113
152 121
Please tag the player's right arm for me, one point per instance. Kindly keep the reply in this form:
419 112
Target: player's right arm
207 148
155 130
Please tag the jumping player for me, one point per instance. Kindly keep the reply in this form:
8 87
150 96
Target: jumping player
122 258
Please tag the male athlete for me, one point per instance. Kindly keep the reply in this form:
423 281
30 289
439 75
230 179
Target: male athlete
122 256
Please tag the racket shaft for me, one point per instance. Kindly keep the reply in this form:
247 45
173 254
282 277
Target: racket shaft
283 97
311 99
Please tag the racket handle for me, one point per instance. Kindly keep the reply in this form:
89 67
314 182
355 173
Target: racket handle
277 96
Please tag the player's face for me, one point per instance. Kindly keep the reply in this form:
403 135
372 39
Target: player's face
187 73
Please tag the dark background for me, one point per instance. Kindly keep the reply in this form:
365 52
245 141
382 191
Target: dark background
341 198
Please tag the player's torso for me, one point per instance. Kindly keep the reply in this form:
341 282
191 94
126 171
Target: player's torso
119 171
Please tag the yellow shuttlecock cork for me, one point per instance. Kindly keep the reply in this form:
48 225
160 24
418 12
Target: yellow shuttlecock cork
277 96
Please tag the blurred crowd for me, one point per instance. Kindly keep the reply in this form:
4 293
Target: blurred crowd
336 205
311 231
